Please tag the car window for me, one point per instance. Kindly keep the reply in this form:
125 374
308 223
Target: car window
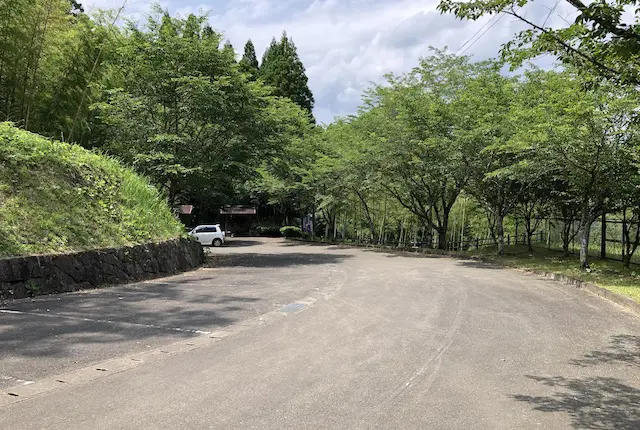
207 230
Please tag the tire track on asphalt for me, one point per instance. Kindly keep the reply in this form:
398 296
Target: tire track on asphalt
439 353
432 365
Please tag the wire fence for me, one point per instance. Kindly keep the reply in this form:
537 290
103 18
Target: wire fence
605 240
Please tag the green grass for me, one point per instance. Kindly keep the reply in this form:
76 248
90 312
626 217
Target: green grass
604 273
58 197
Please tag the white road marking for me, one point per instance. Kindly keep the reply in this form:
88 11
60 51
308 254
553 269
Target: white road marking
11 378
71 317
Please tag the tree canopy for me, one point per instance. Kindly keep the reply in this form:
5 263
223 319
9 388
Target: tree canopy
600 41
452 149
282 69
249 61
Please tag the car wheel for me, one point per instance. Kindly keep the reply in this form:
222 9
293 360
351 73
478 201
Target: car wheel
216 242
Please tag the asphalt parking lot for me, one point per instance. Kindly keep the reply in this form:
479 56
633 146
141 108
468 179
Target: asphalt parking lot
326 337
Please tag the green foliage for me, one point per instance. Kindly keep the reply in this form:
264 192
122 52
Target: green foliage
601 42
229 50
452 148
49 54
33 289
267 231
165 96
58 197
517 148
282 69
418 124
249 61
186 116
291 231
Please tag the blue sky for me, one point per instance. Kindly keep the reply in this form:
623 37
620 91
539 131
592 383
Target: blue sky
347 44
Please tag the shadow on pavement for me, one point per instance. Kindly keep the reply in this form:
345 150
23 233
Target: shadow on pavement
394 253
623 348
479 264
595 402
48 334
291 243
143 313
237 243
272 260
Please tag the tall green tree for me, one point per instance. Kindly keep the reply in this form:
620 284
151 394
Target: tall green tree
184 115
414 122
229 50
283 70
494 181
249 61
584 139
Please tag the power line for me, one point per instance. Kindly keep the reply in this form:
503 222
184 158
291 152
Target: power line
480 37
476 33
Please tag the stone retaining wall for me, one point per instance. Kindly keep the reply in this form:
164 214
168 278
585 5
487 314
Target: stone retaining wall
46 274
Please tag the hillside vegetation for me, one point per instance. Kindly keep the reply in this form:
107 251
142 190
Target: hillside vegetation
59 197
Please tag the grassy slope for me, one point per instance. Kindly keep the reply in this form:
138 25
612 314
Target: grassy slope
57 197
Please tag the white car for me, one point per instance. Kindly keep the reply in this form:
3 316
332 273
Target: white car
208 234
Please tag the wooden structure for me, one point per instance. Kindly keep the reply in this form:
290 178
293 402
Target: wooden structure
238 219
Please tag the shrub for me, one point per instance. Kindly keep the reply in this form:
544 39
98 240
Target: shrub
267 231
291 231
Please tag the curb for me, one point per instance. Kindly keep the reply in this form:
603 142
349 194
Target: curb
626 302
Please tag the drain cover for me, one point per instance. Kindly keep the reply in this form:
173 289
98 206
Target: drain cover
292 307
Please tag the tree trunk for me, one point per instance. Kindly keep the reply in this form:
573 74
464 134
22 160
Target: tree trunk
313 220
626 246
500 228
442 229
442 239
629 245
585 231
335 226
428 236
173 192
367 213
384 219
428 229
566 237
491 222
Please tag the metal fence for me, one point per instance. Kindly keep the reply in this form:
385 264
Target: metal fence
605 241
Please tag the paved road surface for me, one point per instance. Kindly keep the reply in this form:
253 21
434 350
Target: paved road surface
279 335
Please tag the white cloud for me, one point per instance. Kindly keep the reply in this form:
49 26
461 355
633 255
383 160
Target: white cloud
346 44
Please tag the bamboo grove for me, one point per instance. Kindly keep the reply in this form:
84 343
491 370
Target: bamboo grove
163 94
